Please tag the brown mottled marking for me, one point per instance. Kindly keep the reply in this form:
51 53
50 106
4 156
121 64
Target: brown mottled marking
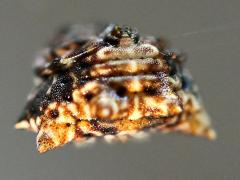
128 67
45 143
105 130
111 85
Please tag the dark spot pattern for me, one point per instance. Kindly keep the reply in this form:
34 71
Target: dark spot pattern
54 114
89 96
68 124
121 91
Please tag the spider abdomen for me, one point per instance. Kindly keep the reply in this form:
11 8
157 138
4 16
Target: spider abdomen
111 83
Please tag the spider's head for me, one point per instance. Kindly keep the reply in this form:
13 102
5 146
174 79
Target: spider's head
120 35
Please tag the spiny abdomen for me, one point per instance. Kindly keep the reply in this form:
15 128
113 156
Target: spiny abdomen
113 83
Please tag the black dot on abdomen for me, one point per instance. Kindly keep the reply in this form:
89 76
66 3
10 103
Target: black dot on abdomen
121 91
54 114
89 96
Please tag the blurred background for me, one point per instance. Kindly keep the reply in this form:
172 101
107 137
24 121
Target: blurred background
208 31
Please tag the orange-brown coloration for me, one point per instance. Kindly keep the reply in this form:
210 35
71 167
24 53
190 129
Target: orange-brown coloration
113 84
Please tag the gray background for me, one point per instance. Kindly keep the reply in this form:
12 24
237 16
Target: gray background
208 31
